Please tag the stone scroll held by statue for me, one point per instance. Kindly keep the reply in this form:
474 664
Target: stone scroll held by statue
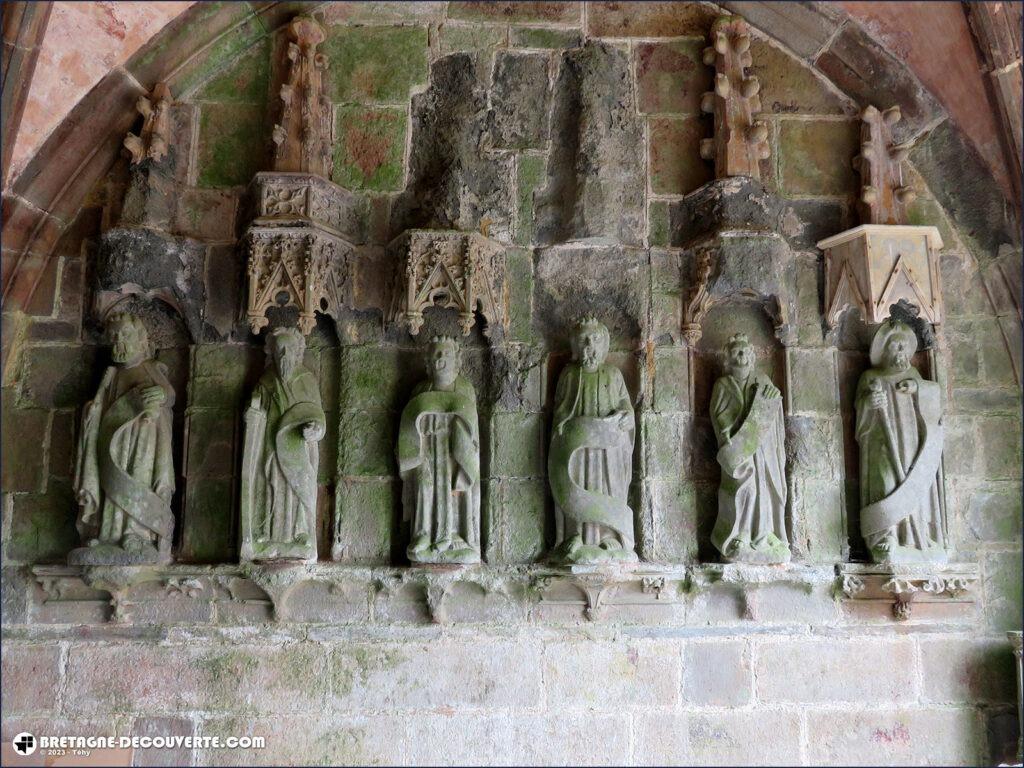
439 460
124 473
284 423
899 431
746 413
590 462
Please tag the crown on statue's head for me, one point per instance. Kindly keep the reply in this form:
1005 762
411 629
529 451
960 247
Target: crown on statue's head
739 340
590 322
283 333
444 341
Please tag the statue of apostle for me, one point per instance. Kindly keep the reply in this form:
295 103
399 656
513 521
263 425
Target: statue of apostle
283 424
590 463
899 431
124 474
746 413
439 460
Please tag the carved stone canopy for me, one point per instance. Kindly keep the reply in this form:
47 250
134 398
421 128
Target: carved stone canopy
299 251
460 270
874 266
741 266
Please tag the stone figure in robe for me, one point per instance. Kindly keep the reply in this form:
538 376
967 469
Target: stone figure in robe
283 425
439 461
899 432
590 462
124 473
746 413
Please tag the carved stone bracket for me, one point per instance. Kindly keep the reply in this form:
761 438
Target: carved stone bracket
874 266
902 586
459 270
740 141
742 268
884 196
154 140
303 134
298 253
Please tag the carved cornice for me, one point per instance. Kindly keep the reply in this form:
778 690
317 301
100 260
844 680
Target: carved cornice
464 271
901 585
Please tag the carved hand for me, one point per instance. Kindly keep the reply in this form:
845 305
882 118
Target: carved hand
878 398
153 396
164 491
312 432
769 391
86 499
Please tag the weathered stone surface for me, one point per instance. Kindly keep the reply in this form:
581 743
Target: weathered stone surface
717 673
24 464
42 526
375 64
520 101
619 675
369 148
994 511
788 86
964 670
437 674
764 737
815 157
543 37
1003 585
676 166
366 515
232 144
593 115
31 677
862 68
450 184
558 13
671 77
895 737
649 19
814 671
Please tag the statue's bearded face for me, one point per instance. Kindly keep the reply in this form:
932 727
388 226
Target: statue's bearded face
288 357
593 348
897 353
741 359
444 364
128 346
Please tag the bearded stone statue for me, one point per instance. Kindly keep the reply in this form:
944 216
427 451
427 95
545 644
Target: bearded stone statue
899 431
124 473
590 463
439 460
284 423
746 412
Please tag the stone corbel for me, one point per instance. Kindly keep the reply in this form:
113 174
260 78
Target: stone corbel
464 271
154 139
904 586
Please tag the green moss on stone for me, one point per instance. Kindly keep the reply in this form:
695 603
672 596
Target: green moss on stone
544 37
369 148
42 526
529 177
246 80
232 144
519 273
376 64
471 38
658 223
366 443
815 157
208 534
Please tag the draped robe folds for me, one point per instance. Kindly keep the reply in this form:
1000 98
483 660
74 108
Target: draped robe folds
439 461
752 455
900 465
125 466
591 458
280 469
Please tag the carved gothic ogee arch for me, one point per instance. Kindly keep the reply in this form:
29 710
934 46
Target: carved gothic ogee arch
46 197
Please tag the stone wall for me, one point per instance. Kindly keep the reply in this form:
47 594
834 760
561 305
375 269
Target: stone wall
570 134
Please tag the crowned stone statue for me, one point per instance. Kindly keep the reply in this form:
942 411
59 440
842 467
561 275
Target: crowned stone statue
746 413
283 425
124 473
899 431
590 463
439 461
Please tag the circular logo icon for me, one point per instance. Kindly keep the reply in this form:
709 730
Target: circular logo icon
24 743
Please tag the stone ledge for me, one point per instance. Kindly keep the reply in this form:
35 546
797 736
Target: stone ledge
643 594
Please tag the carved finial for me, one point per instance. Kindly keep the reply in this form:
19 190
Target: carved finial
884 196
303 134
154 139
740 141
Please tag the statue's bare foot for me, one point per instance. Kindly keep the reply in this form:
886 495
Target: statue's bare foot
610 543
418 546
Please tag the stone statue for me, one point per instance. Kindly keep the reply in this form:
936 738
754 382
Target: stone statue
124 474
590 463
439 460
283 424
746 413
899 431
